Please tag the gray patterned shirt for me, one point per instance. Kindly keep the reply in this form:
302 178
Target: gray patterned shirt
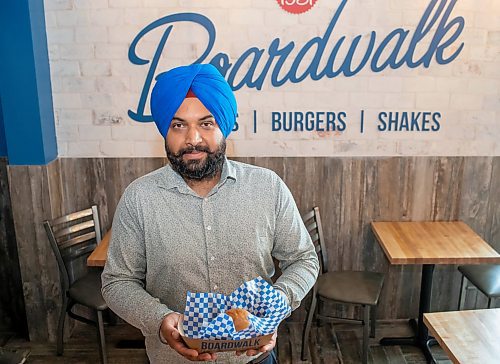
167 240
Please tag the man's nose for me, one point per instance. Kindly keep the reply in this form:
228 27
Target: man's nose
193 136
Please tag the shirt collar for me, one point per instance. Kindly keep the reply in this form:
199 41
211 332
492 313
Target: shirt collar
171 179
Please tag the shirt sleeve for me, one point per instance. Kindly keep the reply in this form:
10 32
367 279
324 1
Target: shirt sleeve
123 278
293 249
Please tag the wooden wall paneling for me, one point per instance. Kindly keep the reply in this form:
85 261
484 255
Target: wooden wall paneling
421 180
447 185
31 204
475 193
474 206
83 184
492 233
12 310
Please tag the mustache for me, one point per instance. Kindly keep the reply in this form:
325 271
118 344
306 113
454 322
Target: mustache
196 148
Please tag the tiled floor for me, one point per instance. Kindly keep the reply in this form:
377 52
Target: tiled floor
82 346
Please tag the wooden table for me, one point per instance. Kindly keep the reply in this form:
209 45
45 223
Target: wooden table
100 253
468 337
430 243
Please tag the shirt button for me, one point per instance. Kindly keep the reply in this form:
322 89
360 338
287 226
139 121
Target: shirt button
212 258
209 228
215 287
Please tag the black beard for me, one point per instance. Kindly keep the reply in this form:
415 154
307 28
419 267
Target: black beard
198 169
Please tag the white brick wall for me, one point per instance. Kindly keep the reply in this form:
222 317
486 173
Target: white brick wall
94 83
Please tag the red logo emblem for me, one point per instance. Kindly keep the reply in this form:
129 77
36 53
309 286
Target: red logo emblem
296 6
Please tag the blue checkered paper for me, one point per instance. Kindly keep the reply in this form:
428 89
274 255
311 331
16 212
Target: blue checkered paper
205 317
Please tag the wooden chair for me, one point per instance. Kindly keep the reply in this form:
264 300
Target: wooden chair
344 287
72 238
485 277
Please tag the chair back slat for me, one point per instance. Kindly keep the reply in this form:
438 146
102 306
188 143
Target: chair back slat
72 254
77 240
71 237
71 217
312 221
74 229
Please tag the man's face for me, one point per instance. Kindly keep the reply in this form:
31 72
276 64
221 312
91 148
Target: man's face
194 144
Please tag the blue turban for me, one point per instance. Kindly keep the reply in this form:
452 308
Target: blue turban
207 84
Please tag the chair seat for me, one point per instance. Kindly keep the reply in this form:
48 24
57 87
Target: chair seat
486 277
87 291
351 286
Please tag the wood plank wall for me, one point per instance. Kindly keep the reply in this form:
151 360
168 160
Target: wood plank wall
351 192
12 312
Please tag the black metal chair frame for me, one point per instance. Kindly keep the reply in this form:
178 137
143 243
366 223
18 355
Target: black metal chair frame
488 271
312 221
71 241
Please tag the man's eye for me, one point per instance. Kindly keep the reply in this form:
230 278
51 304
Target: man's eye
176 125
207 123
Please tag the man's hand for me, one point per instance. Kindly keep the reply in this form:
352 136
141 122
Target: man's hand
173 337
268 347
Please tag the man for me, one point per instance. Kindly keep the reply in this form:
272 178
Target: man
202 223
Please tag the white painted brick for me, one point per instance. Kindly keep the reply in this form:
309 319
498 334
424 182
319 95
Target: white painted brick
94 132
64 68
111 51
487 132
399 100
53 50
111 84
83 149
366 99
254 17
419 84
432 100
95 68
91 34
57 4
492 102
448 84
466 102
67 133
66 100
126 132
106 17
126 68
56 84
79 84
95 100
465 91
125 3
159 4
275 17
494 37
122 34
76 51
62 148
107 117
91 4
487 20
60 35
483 86
124 101
72 18
147 149
50 19
112 148
140 16
474 36
68 116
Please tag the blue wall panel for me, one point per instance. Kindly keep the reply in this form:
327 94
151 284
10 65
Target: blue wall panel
3 145
25 87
